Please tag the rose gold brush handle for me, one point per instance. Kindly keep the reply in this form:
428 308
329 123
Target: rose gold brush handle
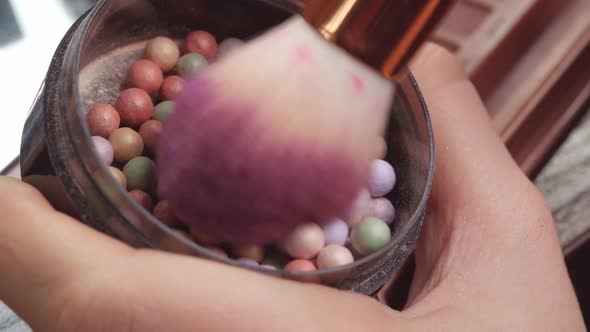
384 34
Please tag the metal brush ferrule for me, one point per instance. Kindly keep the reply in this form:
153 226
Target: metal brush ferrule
384 34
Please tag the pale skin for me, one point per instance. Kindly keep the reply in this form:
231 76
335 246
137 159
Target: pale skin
488 258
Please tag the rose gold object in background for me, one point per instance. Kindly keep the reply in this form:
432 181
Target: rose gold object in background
520 55
557 111
382 33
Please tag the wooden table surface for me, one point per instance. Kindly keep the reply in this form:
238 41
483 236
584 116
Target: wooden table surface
565 182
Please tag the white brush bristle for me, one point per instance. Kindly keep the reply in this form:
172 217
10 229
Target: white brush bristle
279 132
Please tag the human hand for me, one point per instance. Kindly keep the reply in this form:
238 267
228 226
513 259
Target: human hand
488 257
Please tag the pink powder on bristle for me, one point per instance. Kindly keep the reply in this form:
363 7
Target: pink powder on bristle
303 55
358 83
269 186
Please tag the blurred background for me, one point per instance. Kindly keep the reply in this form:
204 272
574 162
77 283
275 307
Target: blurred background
29 33
529 60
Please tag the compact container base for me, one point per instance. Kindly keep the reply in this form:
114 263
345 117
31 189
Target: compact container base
57 154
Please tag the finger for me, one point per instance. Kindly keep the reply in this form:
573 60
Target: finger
157 291
60 275
469 159
485 219
43 252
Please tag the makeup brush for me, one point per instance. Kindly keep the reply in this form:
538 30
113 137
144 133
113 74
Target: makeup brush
282 131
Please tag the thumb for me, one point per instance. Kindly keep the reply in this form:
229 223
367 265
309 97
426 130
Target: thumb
488 237
43 253
473 169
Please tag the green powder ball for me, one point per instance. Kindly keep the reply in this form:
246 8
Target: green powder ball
370 235
190 63
141 174
163 110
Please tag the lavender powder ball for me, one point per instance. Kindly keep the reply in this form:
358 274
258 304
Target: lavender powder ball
336 232
104 149
227 46
248 262
381 179
383 209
